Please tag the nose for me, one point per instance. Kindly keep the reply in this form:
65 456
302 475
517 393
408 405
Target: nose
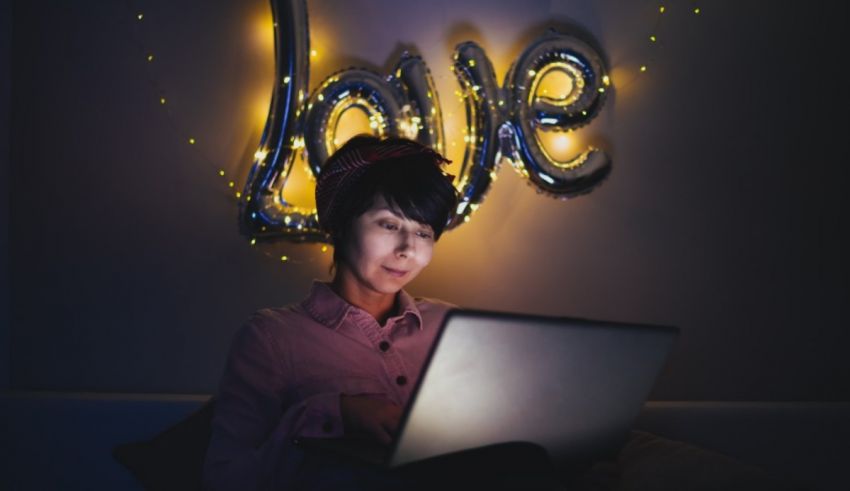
406 246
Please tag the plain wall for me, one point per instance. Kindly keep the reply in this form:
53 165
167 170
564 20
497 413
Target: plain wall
5 120
723 214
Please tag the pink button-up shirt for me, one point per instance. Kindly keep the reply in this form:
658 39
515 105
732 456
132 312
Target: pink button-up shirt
287 368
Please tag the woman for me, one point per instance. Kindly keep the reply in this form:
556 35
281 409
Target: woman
344 360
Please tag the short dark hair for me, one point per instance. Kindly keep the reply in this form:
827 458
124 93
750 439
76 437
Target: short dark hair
414 186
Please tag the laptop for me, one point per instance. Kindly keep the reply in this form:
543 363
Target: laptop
570 386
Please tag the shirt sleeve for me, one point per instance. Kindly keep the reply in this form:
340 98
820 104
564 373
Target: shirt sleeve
252 428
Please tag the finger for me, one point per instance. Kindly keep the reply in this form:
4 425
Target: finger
390 423
383 436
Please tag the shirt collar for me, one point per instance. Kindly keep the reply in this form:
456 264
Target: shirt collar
328 308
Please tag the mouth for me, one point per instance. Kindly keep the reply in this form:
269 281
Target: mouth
395 272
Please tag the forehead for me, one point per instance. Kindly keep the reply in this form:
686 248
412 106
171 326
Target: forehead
380 205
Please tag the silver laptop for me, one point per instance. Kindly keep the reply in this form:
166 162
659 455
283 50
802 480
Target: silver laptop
571 386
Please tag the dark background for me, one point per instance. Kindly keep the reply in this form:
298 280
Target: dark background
123 270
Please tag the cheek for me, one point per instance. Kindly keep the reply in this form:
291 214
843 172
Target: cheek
376 247
425 254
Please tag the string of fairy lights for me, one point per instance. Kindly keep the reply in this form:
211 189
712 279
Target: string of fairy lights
648 50
653 41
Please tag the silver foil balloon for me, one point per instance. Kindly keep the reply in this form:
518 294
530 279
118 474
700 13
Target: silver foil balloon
412 76
402 104
347 89
405 103
529 110
484 105
263 211
501 122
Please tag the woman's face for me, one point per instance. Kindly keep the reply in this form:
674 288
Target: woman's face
386 251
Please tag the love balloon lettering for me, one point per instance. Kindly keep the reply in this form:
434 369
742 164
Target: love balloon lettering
501 121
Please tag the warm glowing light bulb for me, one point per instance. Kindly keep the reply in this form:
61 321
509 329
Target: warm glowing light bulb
284 258
313 53
253 241
652 38
661 9
231 184
286 79
191 141
324 248
696 10
221 172
643 68
606 80
561 143
140 16
162 100
150 57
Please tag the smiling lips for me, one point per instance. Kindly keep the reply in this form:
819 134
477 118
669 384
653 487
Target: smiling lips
395 272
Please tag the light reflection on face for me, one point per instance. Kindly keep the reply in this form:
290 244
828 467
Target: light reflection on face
386 251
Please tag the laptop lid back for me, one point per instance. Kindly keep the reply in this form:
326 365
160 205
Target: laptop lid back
572 386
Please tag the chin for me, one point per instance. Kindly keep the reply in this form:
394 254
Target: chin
391 285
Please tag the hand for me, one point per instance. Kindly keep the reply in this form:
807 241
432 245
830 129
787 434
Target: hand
376 418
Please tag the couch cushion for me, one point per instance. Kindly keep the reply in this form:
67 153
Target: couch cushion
802 443
64 440
174 458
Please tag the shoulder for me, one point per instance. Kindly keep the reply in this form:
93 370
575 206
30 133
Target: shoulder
266 318
273 322
271 316
271 334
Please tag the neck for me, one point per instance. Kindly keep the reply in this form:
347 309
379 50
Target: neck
379 305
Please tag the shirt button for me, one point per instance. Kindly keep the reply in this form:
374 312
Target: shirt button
401 380
384 346
327 427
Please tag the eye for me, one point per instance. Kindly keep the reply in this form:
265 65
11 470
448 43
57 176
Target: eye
424 235
389 225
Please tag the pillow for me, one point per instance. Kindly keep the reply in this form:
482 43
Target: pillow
174 458
651 462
